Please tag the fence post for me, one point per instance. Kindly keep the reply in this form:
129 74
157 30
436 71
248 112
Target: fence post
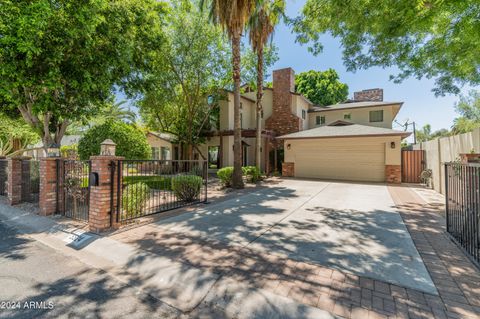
101 208
446 198
49 189
14 180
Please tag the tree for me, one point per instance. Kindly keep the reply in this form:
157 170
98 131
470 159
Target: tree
425 133
425 38
233 15
261 26
469 108
187 77
131 141
321 88
15 135
60 59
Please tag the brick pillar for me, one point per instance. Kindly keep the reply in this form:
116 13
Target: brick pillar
288 169
48 186
99 218
393 174
14 180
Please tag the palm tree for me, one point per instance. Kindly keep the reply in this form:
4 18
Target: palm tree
261 26
233 16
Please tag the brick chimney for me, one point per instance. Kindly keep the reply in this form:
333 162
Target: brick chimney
369 95
283 121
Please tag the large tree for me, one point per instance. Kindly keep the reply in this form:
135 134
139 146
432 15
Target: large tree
321 87
233 15
261 27
469 109
60 59
437 39
187 77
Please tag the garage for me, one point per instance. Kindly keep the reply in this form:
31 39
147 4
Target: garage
347 152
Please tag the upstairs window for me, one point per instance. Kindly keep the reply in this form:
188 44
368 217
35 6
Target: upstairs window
320 120
347 116
304 114
376 116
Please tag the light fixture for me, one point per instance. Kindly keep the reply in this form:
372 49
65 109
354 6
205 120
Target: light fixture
107 148
289 146
392 145
53 150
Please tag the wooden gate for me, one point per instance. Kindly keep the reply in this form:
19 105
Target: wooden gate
413 163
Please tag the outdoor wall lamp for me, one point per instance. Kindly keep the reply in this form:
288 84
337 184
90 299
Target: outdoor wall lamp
53 150
392 145
289 146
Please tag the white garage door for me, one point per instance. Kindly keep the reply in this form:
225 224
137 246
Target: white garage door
356 159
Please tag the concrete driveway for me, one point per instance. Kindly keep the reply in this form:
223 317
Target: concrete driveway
352 227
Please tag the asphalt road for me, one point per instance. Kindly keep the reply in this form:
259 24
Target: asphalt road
37 281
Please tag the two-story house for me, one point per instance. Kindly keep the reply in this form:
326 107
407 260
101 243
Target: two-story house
349 141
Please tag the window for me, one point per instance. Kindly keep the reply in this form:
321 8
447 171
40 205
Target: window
376 116
213 158
304 114
261 114
165 153
241 120
155 153
347 116
241 105
320 120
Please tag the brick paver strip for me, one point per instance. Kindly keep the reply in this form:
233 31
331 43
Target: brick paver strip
343 294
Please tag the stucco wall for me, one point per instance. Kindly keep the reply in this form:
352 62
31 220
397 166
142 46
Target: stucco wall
447 149
358 116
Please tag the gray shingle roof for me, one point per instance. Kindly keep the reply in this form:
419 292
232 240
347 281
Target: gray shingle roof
352 105
344 131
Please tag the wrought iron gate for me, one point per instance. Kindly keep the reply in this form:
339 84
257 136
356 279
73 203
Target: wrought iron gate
76 188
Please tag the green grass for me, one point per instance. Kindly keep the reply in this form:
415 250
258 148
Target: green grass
154 182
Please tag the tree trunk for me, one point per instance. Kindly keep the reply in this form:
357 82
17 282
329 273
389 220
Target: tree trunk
237 136
258 141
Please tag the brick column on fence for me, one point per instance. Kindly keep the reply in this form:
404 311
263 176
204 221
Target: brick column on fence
14 180
101 200
48 186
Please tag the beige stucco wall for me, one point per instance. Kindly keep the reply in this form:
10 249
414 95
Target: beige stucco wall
447 149
359 116
299 104
356 158
155 141
226 113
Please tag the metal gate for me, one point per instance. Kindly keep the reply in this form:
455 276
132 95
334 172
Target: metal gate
76 188
146 187
413 163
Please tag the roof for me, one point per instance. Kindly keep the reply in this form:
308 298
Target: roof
352 105
351 130
164 136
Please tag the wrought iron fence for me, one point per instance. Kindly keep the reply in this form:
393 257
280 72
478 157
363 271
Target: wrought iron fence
462 188
75 186
3 177
152 186
30 180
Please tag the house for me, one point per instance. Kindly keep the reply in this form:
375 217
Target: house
353 140
162 145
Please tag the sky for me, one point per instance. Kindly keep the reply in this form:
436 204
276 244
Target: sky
420 104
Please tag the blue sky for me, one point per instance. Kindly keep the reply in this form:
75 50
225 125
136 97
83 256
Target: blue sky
420 103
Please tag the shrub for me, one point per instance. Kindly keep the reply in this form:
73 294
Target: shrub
131 142
134 198
252 173
187 187
153 182
225 175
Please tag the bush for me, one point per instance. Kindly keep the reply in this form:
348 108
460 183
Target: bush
252 173
134 198
131 142
225 175
187 187
153 182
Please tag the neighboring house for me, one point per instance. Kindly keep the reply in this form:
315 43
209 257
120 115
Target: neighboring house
38 152
349 141
162 145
